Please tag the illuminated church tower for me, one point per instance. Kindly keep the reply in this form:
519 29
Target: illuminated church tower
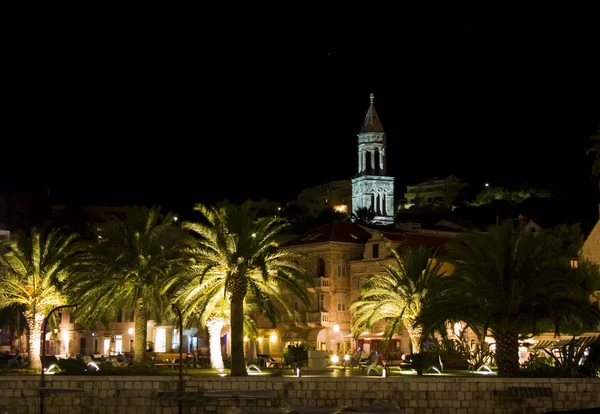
371 188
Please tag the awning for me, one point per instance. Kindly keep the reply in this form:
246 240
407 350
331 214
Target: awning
301 334
296 334
557 344
373 335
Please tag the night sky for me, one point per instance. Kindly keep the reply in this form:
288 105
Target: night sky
200 114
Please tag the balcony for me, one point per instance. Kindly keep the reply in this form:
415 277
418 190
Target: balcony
321 283
318 317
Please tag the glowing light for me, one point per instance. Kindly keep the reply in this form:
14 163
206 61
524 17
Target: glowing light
65 340
346 357
255 368
245 338
260 339
335 359
273 337
384 373
336 328
175 218
298 372
56 331
342 208
50 368
487 184
488 370
436 370
93 365
130 331
253 234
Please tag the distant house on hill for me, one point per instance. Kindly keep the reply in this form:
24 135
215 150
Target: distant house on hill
435 191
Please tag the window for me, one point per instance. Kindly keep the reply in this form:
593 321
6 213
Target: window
355 284
321 268
322 302
119 344
341 302
375 251
71 318
341 268
175 340
161 340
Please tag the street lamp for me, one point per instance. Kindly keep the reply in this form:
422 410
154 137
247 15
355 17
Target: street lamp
43 378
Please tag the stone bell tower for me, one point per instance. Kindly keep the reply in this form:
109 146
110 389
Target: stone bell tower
371 188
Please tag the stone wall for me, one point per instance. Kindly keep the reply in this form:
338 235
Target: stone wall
429 394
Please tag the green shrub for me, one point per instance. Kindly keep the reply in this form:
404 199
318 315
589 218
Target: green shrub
538 366
72 366
296 353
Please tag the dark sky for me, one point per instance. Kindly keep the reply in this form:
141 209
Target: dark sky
186 114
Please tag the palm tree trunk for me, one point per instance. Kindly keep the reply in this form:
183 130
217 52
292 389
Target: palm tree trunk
34 322
214 337
415 333
507 354
141 331
238 363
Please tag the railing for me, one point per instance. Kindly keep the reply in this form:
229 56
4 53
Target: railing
317 317
321 282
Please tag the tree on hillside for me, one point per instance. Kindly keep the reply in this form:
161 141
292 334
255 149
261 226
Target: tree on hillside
493 194
594 151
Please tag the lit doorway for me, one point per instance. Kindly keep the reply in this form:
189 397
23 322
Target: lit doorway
119 344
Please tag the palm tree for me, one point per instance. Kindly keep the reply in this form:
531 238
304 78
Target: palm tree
363 215
205 303
511 284
396 294
30 266
139 250
241 252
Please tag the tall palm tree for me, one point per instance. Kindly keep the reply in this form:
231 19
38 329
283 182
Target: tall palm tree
511 284
396 294
30 266
243 254
205 302
139 250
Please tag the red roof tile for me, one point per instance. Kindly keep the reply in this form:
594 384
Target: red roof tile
336 231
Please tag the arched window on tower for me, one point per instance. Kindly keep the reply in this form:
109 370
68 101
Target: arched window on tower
368 167
378 205
377 169
321 268
372 206
383 209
